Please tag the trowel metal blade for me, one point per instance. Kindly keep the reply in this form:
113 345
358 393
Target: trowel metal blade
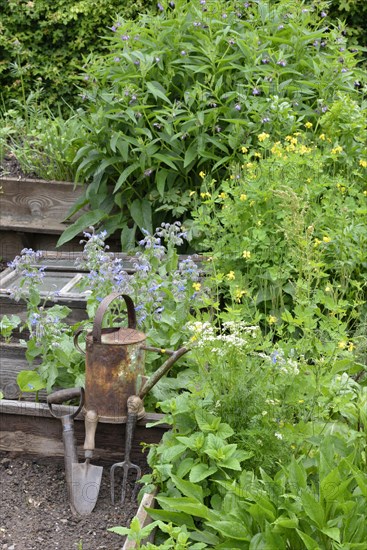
86 482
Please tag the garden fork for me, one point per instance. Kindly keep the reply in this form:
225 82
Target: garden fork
134 407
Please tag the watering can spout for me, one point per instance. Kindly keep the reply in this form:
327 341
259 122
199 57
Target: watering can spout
163 369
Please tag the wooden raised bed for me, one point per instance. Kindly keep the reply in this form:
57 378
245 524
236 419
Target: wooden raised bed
32 214
30 429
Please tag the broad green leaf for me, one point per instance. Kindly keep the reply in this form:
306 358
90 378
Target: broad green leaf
177 518
160 180
308 541
166 160
127 238
141 213
312 508
188 489
231 528
125 174
332 532
86 220
157 90
30 381
191 154
185 504
201 471
184 467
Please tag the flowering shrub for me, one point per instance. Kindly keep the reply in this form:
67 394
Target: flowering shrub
178 93
287 237
165 289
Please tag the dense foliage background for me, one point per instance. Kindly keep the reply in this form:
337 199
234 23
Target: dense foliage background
42 43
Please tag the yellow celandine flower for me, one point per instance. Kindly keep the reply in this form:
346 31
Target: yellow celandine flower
287 138
326 239
338 149
363 163
202 174
308 125
263 136
301 400
205 195
322 137
257 155
231 276
328 288
308 180
238 295
246 254
277 149
243 197
303 150
192 193
317 242
351 346
272 320
290 148
342 344
244 150
196 286
249 165
223 195
365 193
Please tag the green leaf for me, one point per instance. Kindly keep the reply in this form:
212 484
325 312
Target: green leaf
161 178
308 541
185 504
124 175
231 528
157 90
332 533
177 518
201 471
141 213
127 238
30 381
188 489
312 508
86 220
191 154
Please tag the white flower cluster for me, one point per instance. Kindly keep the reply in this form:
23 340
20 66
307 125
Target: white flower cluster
234 335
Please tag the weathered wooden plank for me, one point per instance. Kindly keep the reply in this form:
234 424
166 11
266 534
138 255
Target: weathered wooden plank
31 429
40 205
11 243
148 501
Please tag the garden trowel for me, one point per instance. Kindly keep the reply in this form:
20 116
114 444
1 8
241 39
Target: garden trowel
86 478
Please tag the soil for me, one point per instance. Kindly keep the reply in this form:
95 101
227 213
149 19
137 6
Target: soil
35 513
9 166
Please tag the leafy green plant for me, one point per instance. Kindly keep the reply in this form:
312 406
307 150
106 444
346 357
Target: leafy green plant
7 326
314 501
42 45
166 291
286 239
179 94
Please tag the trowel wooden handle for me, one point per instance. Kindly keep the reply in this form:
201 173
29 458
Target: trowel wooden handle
91 421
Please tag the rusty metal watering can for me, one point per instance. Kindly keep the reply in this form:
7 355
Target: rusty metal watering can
114 370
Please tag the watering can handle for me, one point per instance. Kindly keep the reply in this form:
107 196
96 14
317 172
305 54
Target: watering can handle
97 325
